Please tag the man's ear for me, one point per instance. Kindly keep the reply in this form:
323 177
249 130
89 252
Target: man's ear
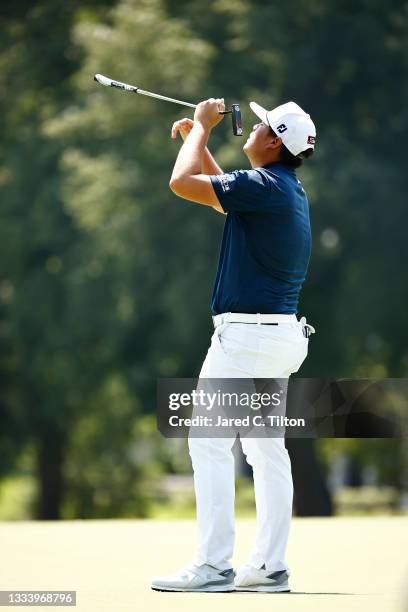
274 142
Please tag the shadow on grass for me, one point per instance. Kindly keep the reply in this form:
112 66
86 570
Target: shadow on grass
258 592
291 593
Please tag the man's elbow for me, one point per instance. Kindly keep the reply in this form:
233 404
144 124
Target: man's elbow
176 184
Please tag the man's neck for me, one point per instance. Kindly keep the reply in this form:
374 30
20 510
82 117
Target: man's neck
265 164
261 162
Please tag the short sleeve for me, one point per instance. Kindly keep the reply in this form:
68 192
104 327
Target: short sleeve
245 191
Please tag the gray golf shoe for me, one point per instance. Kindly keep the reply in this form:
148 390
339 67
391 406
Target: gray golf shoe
249 578
200 578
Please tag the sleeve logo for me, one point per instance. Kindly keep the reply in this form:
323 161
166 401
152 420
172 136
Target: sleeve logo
224 183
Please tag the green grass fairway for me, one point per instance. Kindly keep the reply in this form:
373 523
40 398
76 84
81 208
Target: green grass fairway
344 564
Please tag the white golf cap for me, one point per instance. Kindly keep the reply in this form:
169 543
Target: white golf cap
291 124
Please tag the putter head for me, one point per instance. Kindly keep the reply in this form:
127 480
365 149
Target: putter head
236 120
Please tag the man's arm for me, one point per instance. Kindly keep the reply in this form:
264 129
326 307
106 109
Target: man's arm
188 180
183 127
210 166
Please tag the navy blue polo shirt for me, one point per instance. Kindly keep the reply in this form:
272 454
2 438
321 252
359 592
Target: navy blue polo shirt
266 243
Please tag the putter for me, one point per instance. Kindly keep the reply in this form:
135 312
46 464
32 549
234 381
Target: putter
235 109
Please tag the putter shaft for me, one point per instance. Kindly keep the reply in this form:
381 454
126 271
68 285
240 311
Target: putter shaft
103 80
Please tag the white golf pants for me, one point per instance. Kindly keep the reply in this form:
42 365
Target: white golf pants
242 350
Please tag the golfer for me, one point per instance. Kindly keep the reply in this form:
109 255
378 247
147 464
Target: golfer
263 262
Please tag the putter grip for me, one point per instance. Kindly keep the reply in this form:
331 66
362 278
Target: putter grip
103 80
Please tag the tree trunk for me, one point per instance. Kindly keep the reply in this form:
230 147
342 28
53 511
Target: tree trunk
312 497
50 458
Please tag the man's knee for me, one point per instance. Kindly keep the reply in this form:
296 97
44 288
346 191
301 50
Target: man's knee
261 450
210 448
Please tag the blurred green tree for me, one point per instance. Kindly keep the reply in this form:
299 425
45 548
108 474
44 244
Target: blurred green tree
106 277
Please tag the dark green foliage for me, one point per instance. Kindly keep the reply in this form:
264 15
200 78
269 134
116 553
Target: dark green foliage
105 276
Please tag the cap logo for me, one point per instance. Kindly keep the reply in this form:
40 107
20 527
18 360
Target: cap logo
281 128
311 140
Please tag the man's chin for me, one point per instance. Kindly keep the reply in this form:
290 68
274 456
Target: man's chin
247 151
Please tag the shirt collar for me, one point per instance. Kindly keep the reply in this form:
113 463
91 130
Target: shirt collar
280 166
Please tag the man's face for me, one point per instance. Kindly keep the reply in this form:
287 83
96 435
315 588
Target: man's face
258 140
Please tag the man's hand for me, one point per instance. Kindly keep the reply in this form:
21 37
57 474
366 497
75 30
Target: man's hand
207 112
183 127
209 115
